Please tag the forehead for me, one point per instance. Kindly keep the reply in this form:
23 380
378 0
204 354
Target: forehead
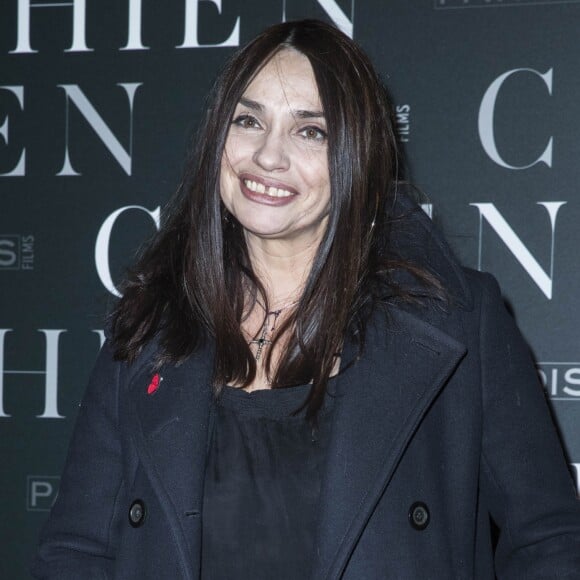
286 79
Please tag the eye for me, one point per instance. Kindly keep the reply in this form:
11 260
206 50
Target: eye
246 121
313 133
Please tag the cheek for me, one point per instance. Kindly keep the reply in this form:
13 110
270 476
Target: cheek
228 168
226 183
237 148
228 156
319 180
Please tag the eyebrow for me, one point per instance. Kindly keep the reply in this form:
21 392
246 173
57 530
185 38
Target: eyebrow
305 114
254 105
300 113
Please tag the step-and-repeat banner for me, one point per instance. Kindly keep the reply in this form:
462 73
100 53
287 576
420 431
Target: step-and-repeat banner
99 100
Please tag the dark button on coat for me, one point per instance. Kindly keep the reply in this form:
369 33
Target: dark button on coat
137 513
419 515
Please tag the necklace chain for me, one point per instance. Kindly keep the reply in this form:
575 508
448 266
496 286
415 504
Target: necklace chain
264 341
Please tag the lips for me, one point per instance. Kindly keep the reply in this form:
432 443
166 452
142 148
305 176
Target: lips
266 191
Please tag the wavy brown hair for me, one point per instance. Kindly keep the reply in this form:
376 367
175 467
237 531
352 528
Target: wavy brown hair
191 283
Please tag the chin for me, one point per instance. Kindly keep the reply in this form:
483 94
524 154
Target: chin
260 225
266 232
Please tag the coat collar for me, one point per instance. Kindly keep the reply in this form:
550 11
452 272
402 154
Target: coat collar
382 398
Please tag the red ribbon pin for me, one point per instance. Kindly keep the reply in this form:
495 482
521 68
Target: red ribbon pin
154 384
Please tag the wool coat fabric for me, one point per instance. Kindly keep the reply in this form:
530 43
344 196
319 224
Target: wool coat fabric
440 428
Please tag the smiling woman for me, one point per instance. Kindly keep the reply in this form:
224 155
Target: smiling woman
300 380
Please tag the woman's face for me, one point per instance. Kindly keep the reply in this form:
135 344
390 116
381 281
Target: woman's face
274 172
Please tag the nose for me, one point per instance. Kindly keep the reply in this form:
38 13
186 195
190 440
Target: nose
271 153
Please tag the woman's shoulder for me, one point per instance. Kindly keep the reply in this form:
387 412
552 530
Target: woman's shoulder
415 239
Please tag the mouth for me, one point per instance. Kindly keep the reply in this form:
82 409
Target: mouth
266 191
270 190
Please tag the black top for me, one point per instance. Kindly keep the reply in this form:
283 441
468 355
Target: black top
262 486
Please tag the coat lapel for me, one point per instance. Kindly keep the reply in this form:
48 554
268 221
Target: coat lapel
171 440
381 400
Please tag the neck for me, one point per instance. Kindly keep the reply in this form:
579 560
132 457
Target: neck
282 268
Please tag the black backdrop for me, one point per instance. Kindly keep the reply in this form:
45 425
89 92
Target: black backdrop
98 100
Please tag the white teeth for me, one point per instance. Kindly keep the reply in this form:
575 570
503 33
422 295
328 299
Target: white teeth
261 188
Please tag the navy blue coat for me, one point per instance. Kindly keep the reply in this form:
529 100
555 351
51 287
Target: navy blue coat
439 427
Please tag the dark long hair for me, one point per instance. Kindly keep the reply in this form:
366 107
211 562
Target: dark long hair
191 283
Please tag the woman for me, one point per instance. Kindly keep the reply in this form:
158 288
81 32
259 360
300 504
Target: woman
300 380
